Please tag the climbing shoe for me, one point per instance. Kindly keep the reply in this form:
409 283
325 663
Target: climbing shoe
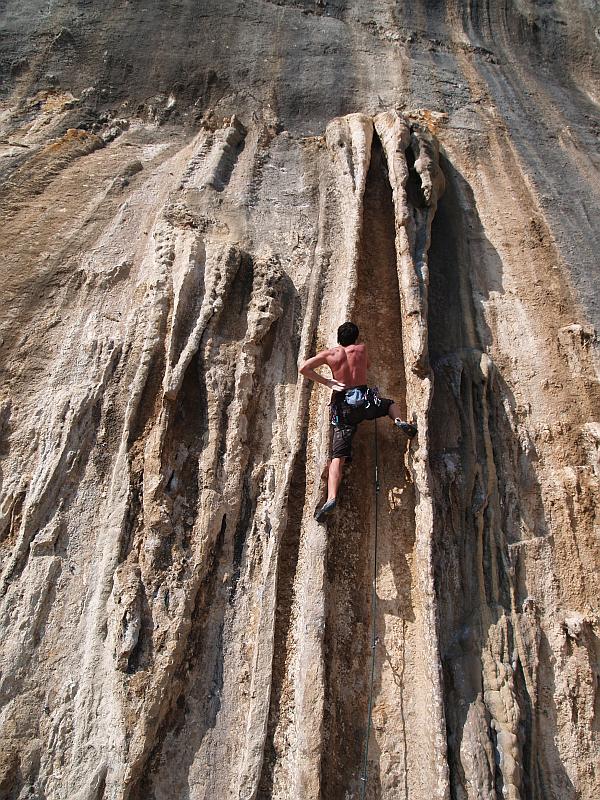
406 427
325 510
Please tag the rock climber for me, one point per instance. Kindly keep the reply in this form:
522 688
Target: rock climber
352 402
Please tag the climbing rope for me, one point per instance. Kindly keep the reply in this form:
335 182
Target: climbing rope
363 779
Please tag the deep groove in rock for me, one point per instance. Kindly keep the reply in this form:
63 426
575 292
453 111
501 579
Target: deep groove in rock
242 529
414 185
349 559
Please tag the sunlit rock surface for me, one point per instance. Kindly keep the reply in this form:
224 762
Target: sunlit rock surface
194 196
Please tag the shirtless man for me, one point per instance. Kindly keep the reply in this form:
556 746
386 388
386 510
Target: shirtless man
352 402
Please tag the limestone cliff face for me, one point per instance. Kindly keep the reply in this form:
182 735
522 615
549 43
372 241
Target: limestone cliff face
194 196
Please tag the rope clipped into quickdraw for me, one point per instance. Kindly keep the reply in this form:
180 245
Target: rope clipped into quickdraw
363 779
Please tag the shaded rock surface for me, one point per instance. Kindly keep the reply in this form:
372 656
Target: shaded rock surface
194 196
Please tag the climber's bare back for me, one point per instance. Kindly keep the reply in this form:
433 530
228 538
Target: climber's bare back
348 364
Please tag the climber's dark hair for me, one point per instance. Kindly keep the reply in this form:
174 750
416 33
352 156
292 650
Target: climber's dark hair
347 333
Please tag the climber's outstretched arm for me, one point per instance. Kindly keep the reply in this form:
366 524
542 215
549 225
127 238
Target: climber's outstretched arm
308 370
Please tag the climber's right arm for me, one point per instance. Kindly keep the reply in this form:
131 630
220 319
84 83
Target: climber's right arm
308 370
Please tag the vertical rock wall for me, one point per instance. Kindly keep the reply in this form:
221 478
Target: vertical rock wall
174 622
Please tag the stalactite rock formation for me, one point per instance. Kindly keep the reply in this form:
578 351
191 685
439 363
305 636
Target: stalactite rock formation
193 197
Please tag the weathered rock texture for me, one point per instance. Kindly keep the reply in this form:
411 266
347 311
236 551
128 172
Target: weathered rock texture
194 196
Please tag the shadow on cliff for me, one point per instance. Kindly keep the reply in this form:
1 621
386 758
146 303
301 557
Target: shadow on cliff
486 496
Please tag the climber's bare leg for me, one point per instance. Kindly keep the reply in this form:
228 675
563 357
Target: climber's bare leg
335 477
394 411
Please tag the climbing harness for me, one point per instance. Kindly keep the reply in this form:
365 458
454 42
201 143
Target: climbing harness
363 777
353 398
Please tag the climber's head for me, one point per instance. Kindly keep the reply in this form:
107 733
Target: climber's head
347 334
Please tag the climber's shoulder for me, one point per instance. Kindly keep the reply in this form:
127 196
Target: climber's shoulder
323 357
335 355
356 350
